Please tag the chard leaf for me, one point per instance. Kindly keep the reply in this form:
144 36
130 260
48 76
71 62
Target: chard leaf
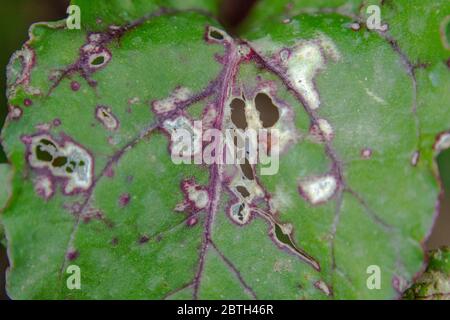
361 116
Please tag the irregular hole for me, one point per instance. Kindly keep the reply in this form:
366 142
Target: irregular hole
443 161
247 170
243 191
64 161
48 143
268 112
239 214
98 61
287 240
43 155
284 238
238 113
59 162
215 34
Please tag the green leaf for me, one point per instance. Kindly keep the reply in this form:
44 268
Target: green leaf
343 217
283 10
97 15
434 283
5 194
5 184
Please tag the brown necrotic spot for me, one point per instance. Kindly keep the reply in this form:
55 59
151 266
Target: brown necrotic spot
238 113
268 112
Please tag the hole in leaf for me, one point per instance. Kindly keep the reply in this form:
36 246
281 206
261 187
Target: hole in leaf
243 191
238 113
43 155
240 215
268 112
47 143
215 34
284 238
98 61
247 170
59 162
443 161
439 235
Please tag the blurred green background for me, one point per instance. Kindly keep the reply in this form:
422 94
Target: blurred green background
15 18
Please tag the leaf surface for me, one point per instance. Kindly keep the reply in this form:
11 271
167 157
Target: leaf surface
361 115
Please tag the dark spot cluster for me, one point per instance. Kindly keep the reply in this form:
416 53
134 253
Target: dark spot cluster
239 212
47 151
